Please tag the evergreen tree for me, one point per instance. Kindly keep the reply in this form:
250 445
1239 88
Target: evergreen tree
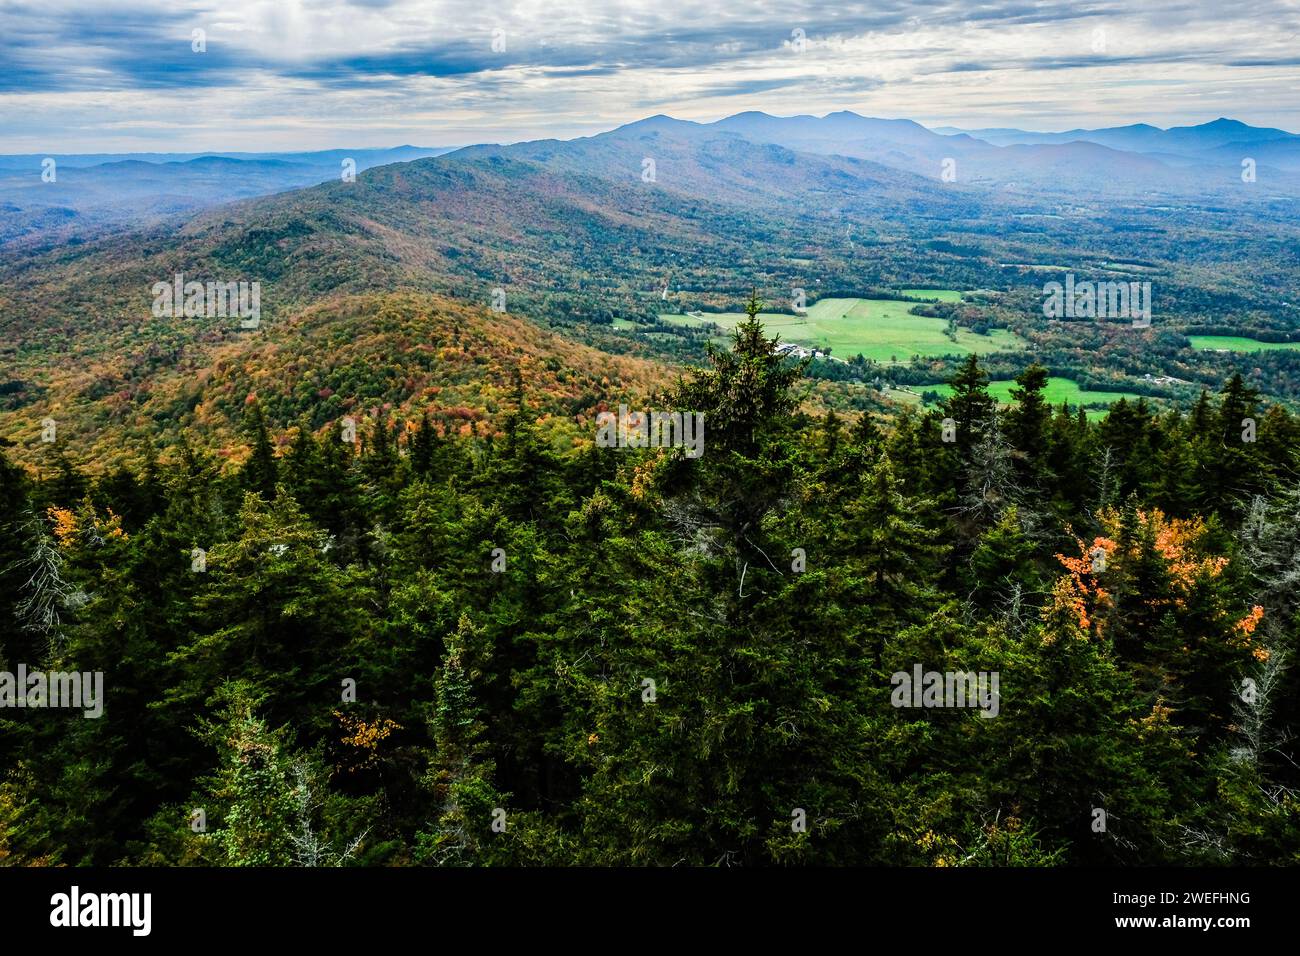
259 473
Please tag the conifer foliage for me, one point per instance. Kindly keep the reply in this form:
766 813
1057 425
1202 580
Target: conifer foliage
421 646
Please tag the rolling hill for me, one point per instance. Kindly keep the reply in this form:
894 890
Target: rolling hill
399 354
523 219
576 234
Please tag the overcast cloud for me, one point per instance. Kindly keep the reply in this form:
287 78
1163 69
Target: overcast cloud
308 74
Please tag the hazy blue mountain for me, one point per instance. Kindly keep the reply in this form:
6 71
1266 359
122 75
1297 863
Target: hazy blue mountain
1144 138
861 159
365 158
1282 154
1138 159
832 127
709 160
91 193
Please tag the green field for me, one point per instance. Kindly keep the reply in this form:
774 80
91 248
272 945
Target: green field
1236 343
943 295
1058 390
879 329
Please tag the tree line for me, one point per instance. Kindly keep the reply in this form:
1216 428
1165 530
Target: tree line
421 648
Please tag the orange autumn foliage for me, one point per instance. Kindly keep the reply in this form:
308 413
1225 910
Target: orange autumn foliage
1177 541
365 737
67 528
1083 590
1066 598
65 525
1174 540
1245 628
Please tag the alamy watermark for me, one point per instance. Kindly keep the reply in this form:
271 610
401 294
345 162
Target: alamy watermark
195 300
75 908
80 691
1100 300
651 429
946 689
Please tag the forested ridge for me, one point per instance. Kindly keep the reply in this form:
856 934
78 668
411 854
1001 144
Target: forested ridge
568 654
369 272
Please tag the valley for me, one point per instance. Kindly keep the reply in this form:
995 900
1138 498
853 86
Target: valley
578 243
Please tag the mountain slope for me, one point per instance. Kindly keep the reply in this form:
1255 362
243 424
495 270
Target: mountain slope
78 339
538 220
405 354
710 160
574 234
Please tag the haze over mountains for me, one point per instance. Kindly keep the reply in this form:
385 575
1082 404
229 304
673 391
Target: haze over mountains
1137 158
114 190
95 191
1205 140
654 216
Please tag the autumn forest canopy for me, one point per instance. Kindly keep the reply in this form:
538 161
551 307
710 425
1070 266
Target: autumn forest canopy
422 644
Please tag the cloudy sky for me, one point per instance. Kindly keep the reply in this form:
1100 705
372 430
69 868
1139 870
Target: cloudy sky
308 74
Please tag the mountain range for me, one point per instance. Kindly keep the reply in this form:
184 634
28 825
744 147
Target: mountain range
1138 159
85 194
92 192
594 237
1205 140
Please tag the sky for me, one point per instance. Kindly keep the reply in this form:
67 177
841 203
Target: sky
272 75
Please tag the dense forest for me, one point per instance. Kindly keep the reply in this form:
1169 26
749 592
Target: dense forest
414 645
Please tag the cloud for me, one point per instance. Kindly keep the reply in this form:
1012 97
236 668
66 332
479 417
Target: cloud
76 74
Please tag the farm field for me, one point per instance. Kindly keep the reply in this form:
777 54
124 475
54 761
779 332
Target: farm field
1058 390
943 295
1237 343
883 330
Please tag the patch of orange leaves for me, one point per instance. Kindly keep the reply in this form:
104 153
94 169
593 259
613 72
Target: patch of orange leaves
365 737
1244 628
1176 541
65 525
1083 590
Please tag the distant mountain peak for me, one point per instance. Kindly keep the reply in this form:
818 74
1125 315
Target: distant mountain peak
659 120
